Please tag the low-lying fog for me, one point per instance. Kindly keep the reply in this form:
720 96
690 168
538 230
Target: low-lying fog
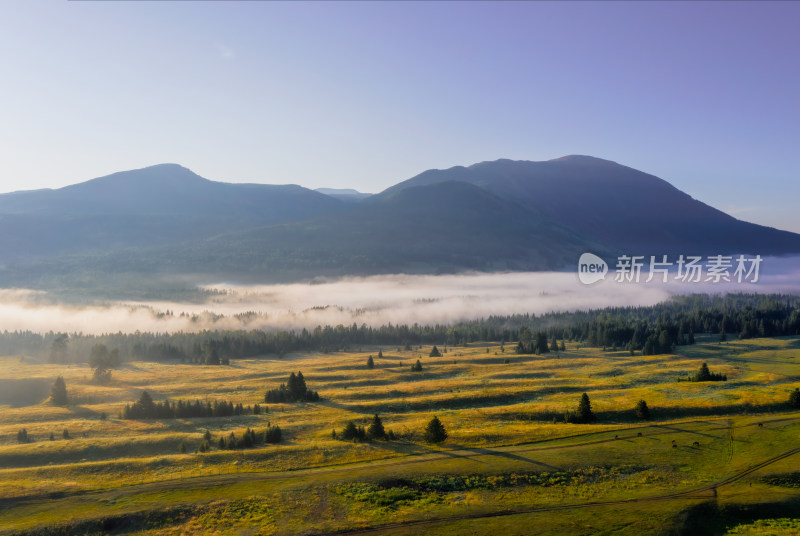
376 300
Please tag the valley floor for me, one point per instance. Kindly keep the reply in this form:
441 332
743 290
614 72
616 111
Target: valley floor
716 457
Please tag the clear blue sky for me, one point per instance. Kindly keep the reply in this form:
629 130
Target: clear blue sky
365 94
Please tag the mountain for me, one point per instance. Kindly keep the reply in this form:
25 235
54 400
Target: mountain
345 194
628 210
162 204
501 215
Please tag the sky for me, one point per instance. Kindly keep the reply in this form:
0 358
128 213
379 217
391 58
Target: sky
366 94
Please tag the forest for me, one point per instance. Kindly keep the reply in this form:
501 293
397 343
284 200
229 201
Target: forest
647 330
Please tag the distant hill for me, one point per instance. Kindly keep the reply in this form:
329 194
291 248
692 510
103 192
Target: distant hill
162 204
501 215
345 194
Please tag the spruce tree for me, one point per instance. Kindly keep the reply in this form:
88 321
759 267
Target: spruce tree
642 411
435 431
376 430
58 394
794 398
370 363
435 352
704 375
585 409
541 346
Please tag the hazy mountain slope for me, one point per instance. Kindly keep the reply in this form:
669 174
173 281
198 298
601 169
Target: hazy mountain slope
446 227
155 205
626 209
345 194
501 215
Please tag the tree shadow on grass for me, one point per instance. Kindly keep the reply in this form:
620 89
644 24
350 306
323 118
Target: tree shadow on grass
509 455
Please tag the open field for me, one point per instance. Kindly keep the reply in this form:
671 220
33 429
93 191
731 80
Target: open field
509 466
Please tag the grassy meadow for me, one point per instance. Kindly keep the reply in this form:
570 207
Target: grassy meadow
716 457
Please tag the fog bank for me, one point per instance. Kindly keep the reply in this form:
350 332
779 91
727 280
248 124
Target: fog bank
375 300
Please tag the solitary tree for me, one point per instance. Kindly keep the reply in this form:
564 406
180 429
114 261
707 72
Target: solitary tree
416 367
642 411
370 363
58 393
435 432
541 346
585 409
435 352
22 436
794 398
376 430
380 353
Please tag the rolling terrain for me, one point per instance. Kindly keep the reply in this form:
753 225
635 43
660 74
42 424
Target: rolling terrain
714 456
165 223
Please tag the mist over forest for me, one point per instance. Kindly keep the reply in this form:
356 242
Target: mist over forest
373 301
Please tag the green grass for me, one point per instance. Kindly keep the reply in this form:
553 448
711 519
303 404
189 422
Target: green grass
508 449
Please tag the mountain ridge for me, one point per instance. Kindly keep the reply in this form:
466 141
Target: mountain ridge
502 215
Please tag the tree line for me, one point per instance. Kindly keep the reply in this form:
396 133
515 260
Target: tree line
146 408
650 330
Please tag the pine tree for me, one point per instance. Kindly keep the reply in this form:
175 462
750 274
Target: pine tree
794 398
435 431
370 363
352 432
22 436
435 352
376 430
58 394
541 346
380 353
642 411
416 367
704 375
58 350
585 409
